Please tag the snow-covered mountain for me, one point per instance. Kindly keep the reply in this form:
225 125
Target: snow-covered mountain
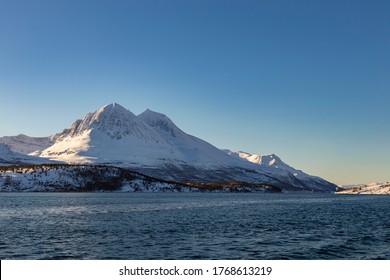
114 135
27 145
267 160
9 157
274 161
152 144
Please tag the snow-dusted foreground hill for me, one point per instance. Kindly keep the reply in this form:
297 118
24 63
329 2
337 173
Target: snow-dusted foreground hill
374 188
65 178
88 178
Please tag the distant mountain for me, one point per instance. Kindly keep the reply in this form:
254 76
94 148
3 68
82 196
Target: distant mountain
27 145
152 144
373 188
351 186
267 160
274 161
9 157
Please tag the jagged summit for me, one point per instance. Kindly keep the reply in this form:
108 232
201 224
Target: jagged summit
271 159
111 133
113 120
267 160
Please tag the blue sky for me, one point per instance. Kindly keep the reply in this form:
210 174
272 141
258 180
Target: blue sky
306 80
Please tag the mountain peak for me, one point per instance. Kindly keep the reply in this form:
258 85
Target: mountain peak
111 119
152 114
160 122
148 111
113 110
270 159
114 106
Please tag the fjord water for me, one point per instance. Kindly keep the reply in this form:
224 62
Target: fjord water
193 226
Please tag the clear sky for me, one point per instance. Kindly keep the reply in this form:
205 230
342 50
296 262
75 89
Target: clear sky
306 80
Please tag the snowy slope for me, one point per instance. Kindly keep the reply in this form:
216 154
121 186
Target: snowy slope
185 147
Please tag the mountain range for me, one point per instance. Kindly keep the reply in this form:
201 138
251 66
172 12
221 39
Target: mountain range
152 144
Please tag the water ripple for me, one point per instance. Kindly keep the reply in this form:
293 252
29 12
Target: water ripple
193 226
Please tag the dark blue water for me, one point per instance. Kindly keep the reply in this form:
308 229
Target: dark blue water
193 226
